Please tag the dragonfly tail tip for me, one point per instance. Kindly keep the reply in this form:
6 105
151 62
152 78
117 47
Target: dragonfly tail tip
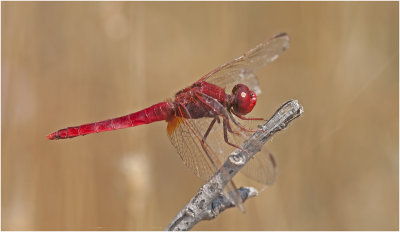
52 136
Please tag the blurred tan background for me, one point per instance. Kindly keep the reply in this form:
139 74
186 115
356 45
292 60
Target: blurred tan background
68 63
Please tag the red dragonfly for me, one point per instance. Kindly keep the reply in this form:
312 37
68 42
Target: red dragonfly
205 123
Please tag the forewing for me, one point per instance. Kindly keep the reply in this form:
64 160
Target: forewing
240 70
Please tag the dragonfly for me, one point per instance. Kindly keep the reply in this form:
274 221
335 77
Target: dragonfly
204 122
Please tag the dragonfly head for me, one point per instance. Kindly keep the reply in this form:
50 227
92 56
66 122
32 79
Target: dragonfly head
243 99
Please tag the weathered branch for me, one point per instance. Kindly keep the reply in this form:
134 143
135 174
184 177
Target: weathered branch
199 206
221 203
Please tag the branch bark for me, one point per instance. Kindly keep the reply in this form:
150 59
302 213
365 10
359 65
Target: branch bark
221 203
209 201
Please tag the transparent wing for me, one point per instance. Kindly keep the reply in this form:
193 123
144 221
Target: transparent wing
262 168
240 70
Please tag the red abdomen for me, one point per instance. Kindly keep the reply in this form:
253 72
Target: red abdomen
157 112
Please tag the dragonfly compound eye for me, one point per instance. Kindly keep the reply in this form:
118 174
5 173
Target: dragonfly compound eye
244 99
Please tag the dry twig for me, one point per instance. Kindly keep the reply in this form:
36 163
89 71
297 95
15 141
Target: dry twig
209 201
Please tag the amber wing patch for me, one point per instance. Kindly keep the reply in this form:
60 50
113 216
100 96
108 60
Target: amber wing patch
173 124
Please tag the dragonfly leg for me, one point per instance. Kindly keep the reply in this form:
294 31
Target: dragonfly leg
244 118
226 136
228 126
209 129
240 125
225 123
